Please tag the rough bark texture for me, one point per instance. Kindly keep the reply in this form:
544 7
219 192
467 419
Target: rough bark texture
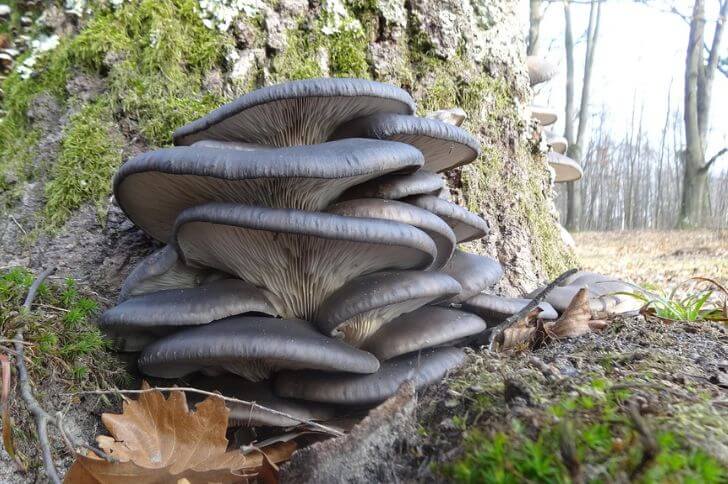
458 52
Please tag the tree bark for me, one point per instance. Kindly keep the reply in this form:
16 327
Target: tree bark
699 75
534 26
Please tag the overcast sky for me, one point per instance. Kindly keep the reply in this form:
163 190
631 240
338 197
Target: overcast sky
640 51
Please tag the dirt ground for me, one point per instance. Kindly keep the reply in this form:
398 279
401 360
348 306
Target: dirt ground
656 259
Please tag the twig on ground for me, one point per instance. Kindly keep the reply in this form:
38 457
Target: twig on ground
41 417
497 332
320 427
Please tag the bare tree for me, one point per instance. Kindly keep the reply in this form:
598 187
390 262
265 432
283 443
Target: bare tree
534 26
575 133
699 75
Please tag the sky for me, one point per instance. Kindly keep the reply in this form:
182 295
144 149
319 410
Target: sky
640 55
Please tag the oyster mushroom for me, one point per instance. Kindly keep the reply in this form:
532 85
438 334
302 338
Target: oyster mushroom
565 168
496 309
251 347
394 187
141 319
443 145
153 188
545 116
439 231
423 368
163 269
363 305
295 113
301 257
261 393
558 144
539 70
423 328
474 272
466 225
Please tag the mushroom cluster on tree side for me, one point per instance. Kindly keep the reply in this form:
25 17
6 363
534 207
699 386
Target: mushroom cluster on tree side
310 256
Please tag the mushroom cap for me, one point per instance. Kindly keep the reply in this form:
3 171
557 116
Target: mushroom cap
474 272
558 144
443 145
138 320
242 415
423 368
565 168
495 309
582 278
296 113
363 305
439 231
230 145
467 226
423 328
601 304
394 187
545 116
251 346
454 116
163 269
153 188
539 70
301 257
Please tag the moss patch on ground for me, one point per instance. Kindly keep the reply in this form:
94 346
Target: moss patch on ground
640 402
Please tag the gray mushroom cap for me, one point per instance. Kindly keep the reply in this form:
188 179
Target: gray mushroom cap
251 347
153 188
545 116
296 113
454 116
423 368
495 309
261 393
467 226
163 269
539 70
559 144
443 145
301 257
363 305
439 231
474 272
600 304
394 187
581 278
230 145
565 168
426 327
138 320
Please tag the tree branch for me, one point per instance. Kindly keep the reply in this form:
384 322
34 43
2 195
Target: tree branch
712 159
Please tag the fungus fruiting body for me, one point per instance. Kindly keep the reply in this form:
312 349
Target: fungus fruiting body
311 252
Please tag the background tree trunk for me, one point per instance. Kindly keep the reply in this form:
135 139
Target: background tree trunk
535 15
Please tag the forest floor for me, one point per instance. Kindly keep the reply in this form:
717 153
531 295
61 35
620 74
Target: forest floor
656 258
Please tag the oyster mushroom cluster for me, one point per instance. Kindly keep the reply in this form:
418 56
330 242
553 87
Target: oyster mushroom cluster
310 253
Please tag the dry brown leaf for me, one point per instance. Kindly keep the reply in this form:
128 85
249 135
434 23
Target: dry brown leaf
159 440
576 320
520 335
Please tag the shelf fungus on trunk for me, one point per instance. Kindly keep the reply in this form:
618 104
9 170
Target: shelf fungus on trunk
304 222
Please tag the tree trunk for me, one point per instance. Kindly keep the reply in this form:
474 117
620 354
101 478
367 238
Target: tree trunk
534 26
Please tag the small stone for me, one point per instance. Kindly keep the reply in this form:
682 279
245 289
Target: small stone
451 403
5 10
26 21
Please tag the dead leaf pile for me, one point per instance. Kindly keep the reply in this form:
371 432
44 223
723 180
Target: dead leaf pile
532 332
158 440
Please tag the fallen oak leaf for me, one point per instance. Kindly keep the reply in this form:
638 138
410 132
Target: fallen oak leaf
156 440
576 320
521 334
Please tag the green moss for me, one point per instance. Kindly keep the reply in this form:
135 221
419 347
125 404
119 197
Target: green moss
90 153
155 55
347 54
300 58
603 438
